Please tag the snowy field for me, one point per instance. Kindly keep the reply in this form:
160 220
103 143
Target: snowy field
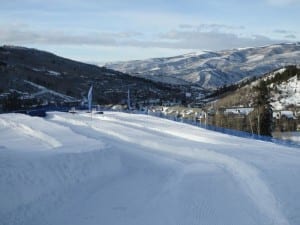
130 169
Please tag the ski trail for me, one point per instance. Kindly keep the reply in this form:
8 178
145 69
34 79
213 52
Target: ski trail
246 175
28 131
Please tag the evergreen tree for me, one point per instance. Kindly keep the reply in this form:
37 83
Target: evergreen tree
264 110
12 102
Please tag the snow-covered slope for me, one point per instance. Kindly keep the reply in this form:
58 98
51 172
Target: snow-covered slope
284 90
212 69
283 85
286 94
130 169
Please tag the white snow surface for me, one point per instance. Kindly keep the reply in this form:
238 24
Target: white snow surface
132 169
53 73
288 93
48 72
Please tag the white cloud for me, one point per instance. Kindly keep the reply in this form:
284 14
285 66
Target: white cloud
213 40
23 34
209 27
290 36
204 36
282 31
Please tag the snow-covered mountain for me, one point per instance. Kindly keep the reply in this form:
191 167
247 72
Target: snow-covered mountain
212 69
132 169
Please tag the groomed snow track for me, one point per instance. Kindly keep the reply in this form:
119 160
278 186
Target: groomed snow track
122 168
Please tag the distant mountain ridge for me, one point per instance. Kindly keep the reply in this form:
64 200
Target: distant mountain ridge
211 69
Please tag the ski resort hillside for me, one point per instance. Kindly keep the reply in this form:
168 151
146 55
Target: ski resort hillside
31 77
118 168
236 106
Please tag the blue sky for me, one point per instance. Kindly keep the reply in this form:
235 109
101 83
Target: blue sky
113 30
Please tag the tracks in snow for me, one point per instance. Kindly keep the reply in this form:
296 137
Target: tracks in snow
25 130
246 175
153 138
